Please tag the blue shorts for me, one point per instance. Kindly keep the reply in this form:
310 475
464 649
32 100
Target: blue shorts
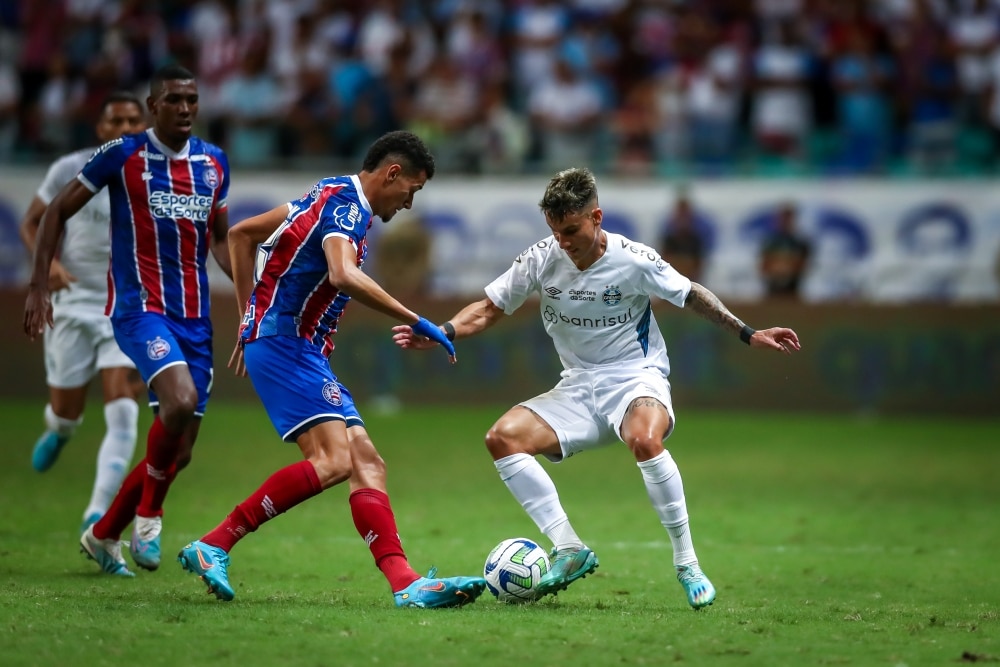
296 385
154 342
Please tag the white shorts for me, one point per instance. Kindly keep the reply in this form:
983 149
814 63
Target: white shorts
76 348
586 408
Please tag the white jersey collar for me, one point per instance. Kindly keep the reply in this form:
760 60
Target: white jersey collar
361 193
169 152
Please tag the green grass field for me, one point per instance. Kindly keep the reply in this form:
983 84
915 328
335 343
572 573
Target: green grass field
832 541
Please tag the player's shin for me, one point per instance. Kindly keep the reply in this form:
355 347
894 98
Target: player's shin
114 455
666 493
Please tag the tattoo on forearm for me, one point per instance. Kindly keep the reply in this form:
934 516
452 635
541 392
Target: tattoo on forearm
707 305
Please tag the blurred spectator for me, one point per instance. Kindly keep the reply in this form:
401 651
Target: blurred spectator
471 43
784 255
682 244
781 113
566 113
714 97
975 33
536 27
932 118
636 125
679 84
505 134
56 102
861 76
445 115
254 104
10 94
926 86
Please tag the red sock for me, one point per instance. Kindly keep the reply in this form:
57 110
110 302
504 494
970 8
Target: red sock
377 526
281 492
122 509
161 454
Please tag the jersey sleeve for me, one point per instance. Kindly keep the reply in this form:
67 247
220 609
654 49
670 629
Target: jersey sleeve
104 164
657 278
343 216
221 201
59 174
510 290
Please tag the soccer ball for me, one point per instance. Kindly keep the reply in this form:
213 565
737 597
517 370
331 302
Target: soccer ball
514 568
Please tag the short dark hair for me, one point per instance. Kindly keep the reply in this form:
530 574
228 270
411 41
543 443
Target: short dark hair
171 72
403 147
568 193
121 96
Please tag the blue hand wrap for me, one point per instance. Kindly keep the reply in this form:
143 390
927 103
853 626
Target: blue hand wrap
428 329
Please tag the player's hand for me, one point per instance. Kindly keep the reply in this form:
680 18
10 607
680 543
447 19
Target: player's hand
236 361
59 277
37 311
432 332
776 338
404 337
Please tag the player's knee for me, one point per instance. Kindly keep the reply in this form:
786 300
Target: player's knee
501 442
332 468
182 460
644 447
177 411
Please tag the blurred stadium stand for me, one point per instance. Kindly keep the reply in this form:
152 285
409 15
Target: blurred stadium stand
879 119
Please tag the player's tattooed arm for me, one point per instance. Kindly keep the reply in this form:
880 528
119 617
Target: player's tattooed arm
701 300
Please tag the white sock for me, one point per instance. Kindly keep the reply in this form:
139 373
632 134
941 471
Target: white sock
62 427
533 488
115 454
666 492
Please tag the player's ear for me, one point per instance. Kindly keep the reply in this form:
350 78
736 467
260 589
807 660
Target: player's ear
597 215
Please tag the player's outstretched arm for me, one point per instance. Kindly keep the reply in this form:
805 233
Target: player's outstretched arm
702 301
347 276
38 305
477 316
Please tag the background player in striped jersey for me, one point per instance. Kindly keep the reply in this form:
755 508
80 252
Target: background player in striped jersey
80 343
295 269
595 290
168 191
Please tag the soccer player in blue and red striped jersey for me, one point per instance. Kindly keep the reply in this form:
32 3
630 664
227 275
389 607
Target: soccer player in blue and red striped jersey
168 191
295 269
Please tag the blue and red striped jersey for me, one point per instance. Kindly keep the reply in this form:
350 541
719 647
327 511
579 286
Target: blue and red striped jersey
292 295
163 207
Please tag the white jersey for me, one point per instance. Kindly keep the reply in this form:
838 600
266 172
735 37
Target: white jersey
87 241
600 317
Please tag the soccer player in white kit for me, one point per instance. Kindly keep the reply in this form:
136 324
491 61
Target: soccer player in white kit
81 343
595 290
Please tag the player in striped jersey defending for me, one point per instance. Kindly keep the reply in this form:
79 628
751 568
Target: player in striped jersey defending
295 268
80 343
168 192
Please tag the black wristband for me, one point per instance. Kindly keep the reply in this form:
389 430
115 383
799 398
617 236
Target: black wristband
745 334
449 330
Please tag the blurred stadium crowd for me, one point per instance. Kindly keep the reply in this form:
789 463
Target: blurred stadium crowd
699 87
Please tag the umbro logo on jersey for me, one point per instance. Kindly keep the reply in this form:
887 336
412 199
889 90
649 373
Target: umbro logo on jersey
553 292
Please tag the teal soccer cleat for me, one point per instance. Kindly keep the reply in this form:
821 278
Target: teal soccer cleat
46 451
107 553
431 593
700 591
566 565
211 564
145 544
